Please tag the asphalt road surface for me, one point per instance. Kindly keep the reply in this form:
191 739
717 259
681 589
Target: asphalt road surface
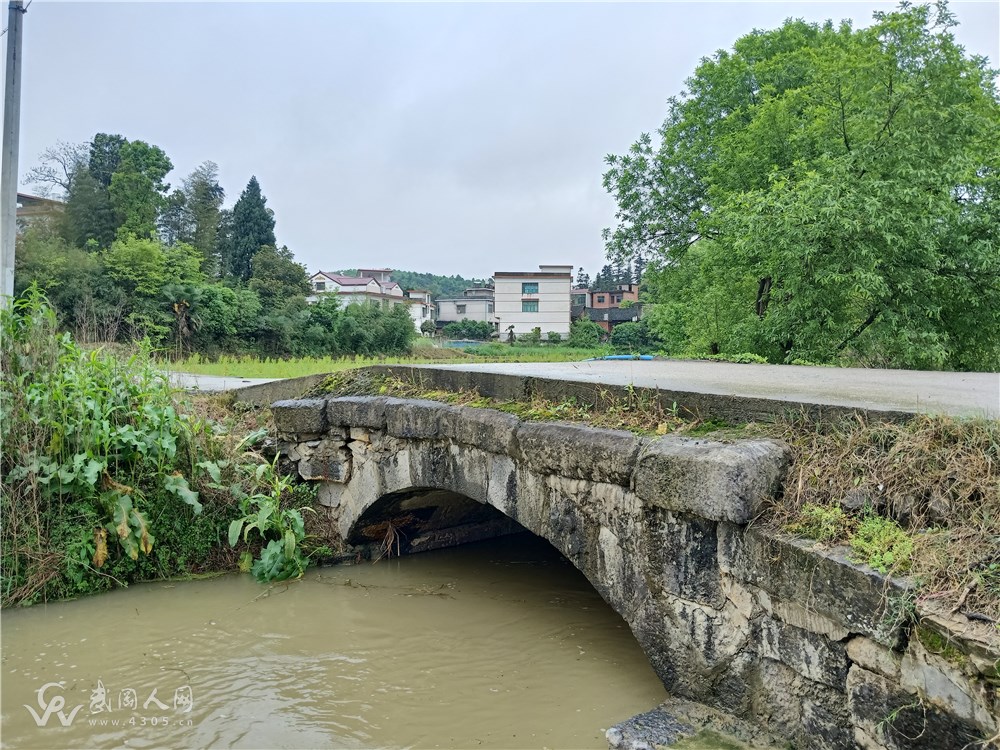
955 393
212 383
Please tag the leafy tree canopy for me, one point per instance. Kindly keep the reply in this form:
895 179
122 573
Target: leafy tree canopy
825 193
276 277
137 189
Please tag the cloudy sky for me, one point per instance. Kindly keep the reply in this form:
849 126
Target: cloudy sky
446 137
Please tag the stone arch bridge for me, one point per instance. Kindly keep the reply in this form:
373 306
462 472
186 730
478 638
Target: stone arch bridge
753 623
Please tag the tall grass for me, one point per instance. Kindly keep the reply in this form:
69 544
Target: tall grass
249 366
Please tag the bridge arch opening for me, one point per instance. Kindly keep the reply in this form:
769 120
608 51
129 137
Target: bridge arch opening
421 519
519 588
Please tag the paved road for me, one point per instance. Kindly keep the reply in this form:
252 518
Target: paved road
212 383
956 393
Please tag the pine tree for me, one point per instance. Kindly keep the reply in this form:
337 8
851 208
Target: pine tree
605 280
252 229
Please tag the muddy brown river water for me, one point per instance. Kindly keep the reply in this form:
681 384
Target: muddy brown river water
501 644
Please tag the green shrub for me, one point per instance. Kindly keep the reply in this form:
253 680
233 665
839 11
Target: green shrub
282 530
585 334
882 544
820 522
533 338
630 336
554 337
476 330
742 358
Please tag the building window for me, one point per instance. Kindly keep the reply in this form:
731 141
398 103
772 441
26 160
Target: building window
489 307
319 286
460 309
529 287
600 298
529 305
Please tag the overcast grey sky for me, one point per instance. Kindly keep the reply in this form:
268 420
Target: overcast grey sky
452 137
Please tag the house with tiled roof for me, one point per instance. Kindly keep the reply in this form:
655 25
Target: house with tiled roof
372 286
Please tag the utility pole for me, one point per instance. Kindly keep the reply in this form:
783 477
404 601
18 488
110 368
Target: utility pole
11 136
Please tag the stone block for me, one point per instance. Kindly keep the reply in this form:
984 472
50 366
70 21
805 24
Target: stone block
975 643
329 461
717 481
356 411
821 580
813 656
653 729
432 465
486 429
890 718
289 449
470 472
801 617
874 657
811 714
501 484
695 649
572 533
416 418
306 416
944 685
682 556
333 495
577 451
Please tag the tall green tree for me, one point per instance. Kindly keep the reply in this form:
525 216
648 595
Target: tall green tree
847 184
85 172
203 200
105 156
175 224
252 229
137 189
89 218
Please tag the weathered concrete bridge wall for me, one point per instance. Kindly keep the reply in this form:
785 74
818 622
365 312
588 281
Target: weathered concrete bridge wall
764 627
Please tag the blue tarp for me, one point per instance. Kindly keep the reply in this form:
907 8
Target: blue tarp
621 356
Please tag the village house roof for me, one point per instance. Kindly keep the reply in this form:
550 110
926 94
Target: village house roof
347 280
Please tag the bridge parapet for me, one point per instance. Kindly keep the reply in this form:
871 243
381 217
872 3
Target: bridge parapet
751 622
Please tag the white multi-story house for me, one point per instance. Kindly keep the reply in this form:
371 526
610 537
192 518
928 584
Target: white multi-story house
421 306
474 304
538 299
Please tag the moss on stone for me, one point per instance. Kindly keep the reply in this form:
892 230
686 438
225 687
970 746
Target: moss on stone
940 645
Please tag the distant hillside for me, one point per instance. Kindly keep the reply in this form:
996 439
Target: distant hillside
439 286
